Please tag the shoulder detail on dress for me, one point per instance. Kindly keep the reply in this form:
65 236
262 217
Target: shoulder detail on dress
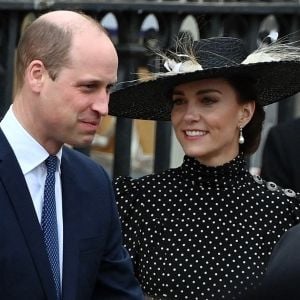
272 186
290 192
258 179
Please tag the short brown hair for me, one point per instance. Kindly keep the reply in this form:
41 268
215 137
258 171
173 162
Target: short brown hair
44 41
48 42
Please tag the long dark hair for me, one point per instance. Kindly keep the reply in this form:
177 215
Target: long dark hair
252 131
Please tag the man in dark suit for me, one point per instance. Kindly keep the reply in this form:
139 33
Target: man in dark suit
65 67
281 159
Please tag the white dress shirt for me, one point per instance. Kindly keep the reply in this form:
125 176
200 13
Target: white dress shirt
31 157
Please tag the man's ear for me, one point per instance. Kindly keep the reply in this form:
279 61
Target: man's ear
247 112
35 74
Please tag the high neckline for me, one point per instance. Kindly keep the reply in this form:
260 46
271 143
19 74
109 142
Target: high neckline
232 170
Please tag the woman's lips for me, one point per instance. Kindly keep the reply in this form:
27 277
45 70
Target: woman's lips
195 133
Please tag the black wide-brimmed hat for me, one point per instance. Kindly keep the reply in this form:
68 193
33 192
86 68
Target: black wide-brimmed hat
275 70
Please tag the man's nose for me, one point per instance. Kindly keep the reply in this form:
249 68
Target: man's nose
101 103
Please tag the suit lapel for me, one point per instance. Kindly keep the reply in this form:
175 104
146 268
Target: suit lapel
18 193
71 220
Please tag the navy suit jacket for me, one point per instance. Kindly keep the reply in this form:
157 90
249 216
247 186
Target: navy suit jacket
95 265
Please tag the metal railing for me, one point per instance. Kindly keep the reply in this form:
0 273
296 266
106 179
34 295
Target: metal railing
247 20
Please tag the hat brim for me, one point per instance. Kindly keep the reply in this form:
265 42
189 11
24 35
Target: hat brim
150 100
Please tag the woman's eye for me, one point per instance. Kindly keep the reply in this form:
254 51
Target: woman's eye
177 101
208 100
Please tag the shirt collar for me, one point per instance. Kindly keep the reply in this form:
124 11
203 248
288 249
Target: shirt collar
21 141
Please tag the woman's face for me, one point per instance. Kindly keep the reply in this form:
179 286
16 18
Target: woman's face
206 117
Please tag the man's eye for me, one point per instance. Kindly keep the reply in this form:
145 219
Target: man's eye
88 87
109 88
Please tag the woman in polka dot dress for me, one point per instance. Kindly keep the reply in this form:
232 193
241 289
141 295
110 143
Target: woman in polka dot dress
206 229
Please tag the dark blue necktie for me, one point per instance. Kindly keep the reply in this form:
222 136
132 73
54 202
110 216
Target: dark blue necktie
49 221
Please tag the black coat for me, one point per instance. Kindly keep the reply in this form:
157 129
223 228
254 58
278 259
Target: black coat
281 155
283 272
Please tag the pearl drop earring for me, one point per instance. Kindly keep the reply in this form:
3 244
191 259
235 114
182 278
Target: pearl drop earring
241 138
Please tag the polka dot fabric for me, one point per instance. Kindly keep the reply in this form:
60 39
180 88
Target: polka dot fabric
197 232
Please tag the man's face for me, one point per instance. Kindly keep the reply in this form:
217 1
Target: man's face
71 106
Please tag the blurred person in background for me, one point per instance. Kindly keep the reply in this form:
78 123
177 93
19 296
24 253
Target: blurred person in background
281 159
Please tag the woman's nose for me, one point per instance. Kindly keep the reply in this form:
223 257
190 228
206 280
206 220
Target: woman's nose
191 113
